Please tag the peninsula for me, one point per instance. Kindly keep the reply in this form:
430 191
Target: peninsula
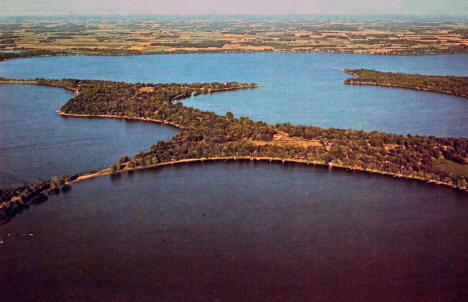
207 136
442 84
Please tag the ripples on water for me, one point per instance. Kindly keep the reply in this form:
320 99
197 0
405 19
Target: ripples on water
36 142
240 232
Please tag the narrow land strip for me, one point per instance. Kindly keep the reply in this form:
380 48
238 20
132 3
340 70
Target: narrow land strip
453 85
206 136
108 171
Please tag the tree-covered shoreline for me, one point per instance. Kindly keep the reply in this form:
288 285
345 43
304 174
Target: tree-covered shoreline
453 85
206 135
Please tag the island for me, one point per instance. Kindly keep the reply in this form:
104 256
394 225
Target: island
206 136
442 84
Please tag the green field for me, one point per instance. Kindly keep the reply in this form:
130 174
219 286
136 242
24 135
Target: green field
454 168
169 34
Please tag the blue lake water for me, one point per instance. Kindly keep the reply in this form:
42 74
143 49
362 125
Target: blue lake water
37 142
299 88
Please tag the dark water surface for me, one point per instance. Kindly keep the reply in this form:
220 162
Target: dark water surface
230 231
36 142
301 88
240 232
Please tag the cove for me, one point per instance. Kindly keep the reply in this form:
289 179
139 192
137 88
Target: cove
37 142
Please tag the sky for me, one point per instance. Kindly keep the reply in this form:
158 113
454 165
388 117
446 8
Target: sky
252 7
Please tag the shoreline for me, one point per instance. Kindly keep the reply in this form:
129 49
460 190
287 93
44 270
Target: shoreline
18 82
17 208
142 119
107 171
228 52
269 159
359 80
20 195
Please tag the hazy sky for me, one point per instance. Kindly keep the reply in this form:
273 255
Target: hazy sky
351 7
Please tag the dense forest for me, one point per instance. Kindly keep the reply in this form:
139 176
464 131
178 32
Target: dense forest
206 135
442 84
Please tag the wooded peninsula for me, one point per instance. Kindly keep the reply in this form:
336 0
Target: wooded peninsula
442 84
207 136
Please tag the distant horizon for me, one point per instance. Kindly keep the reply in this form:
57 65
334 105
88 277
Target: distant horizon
237 15
239 7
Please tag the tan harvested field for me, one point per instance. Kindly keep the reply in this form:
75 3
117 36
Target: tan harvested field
166 34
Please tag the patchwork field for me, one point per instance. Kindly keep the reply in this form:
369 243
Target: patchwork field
169 34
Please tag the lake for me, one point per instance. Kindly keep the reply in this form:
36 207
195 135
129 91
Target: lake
301 88
234 231
240 231
37 142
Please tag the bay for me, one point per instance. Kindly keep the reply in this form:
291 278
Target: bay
37 142
300 88
240 231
